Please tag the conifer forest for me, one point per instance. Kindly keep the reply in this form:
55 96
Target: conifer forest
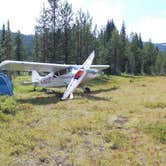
64 36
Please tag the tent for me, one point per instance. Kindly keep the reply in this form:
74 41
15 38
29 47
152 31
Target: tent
6 86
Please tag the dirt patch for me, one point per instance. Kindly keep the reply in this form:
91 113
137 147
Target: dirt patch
117 121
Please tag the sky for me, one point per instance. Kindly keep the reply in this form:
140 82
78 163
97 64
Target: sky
147 17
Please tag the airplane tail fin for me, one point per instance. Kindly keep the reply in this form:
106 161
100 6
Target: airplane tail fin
35 76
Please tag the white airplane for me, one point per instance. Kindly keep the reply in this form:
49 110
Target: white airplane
70 76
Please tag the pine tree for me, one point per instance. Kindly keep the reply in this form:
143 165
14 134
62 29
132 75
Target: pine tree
54 23
159 64
84 36
110 27
134 55
6 51
19 47
2 43
123 41
66 18
115 52
100 48
42 37
150 57
8 43
36 49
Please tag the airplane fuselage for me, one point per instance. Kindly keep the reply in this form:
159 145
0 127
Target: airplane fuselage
59 80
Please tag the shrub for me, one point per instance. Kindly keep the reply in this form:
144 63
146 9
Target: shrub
8 105
3 117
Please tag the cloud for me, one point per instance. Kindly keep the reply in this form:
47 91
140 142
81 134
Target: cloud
152 28
100 11
150 22
22 14
78 4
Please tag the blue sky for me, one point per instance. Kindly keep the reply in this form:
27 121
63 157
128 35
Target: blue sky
147 17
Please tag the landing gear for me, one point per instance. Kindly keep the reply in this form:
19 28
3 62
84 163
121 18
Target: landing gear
34 88
71 96
87 90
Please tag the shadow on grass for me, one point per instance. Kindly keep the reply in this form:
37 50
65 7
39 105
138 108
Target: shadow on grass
91 96
96 98
99 80
104 90
42 100
54 97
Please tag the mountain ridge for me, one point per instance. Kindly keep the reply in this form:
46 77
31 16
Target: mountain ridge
161 46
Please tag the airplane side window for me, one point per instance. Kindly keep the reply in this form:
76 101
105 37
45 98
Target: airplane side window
56 74
69 69
61 72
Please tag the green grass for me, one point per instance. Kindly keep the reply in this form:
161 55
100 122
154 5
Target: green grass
121 122
157 130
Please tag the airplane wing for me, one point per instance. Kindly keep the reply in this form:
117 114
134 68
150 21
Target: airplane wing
79 76
10 65
30 66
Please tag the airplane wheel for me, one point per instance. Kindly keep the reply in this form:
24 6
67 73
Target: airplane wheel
87 90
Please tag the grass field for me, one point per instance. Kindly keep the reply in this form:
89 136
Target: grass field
121 123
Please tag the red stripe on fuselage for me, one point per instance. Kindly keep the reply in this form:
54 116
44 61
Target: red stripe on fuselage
78 74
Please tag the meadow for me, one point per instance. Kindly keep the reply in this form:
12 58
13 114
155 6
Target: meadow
122 122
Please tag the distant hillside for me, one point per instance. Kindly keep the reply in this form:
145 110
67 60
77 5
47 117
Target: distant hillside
161 46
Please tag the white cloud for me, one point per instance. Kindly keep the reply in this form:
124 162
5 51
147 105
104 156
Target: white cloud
22 14
152 28
78 4
100 11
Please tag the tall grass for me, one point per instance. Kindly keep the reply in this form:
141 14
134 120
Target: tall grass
122 122
8 106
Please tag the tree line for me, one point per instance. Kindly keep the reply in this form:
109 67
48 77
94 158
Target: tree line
62 36
11 45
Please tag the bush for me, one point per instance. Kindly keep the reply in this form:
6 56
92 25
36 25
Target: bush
8 105
3 117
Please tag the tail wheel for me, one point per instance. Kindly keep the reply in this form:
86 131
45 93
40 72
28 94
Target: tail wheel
87 90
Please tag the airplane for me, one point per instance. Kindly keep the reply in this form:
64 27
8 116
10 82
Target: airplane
70 76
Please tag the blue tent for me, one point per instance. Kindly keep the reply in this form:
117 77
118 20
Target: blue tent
6 86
